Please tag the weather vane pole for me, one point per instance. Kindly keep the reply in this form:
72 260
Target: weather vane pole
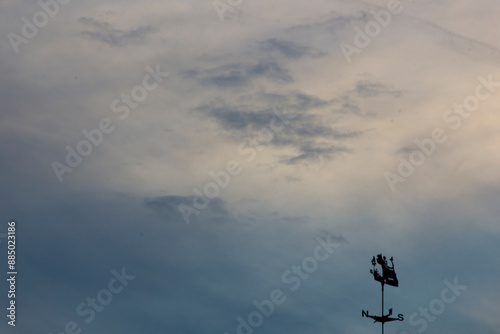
388 277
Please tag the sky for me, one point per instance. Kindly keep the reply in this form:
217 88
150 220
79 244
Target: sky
232 166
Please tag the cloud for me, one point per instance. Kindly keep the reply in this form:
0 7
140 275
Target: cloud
306 102
350 108
240 74
308 134
310 130
253 115
290 49
234 119
370 89
348 103
215 212
464 45
106 33
313 152
335 23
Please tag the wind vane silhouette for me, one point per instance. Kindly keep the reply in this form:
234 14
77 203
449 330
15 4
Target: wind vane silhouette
388 277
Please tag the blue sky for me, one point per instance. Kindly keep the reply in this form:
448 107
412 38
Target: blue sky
208 150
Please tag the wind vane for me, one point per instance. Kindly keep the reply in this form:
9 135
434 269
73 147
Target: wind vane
388 277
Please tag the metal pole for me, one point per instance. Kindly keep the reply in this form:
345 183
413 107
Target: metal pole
382 307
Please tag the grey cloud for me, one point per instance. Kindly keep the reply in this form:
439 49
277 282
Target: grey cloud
292 179
333 24
313 152
106 33
236 119
252 116
271 70
308 134
272 98
305 101
348 107
290 49
407 149
334 236
240 74
296 220
464 45
169 206
340 26
298 101
316 130
369 89
348 103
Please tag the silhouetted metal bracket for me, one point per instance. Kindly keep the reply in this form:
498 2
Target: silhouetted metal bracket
388 277
388 273
383 319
